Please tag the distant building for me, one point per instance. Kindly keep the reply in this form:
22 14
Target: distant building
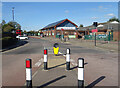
103 28
55 29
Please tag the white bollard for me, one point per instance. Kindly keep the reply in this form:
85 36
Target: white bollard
80 73
45 59
68 59
28 73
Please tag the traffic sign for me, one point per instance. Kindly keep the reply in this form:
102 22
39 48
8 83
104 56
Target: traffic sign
62 29
94 30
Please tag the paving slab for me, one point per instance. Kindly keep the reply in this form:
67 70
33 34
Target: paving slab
56 75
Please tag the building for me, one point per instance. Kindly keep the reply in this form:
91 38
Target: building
63 27
103 28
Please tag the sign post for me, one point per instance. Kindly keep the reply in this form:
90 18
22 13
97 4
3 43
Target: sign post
95 24
95 39
62 33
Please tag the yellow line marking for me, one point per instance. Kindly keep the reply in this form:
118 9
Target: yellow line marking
15 48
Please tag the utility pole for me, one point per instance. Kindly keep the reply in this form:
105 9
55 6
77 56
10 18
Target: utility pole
13 12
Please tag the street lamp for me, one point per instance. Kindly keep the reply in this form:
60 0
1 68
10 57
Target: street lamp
13 12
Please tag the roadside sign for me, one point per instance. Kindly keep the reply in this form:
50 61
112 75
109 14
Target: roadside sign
18 32
94 30
62 29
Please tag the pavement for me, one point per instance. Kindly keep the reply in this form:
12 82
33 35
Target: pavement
56 75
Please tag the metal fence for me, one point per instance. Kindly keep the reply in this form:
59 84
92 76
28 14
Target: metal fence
104 37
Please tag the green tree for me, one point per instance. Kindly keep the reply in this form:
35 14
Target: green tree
3 22
8 28
24 31
81 25
14 24
113 19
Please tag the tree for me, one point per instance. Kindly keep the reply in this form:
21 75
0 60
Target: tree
81 25
8 28
113 19
3 22
24 31
14 24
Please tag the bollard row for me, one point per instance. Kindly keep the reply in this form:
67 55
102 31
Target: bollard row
80 69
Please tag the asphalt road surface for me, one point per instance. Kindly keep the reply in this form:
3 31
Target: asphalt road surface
13 61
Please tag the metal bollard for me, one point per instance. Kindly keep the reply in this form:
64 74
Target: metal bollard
68 38
45 59
80 73
68 59
28 73
64 39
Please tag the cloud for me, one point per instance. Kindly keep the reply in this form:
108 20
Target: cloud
102 8
111 14
66 11
94 17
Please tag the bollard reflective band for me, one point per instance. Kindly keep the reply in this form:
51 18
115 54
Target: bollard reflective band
45 51
80 73
80 63
68 50
28 63
28 74
45 58
67 57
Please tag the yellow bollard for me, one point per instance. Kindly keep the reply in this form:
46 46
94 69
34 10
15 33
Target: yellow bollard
56 48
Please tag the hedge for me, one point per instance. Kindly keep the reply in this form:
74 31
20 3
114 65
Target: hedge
8 41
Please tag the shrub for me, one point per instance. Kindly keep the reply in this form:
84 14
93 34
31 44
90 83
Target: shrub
8 41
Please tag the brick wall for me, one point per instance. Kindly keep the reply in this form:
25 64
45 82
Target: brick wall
116 35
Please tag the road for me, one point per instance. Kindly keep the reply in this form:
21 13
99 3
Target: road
99 63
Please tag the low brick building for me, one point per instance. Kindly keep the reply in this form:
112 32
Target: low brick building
103 28
55 29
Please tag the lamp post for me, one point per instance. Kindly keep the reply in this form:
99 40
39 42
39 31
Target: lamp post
13 12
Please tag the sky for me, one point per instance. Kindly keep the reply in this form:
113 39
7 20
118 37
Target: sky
36 15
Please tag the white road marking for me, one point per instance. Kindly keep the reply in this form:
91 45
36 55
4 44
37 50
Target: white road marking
39 62
34 74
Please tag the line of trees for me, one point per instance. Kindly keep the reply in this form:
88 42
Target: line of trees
8 32
114 19
10 26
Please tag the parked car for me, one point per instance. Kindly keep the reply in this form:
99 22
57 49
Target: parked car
21 37
18 36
